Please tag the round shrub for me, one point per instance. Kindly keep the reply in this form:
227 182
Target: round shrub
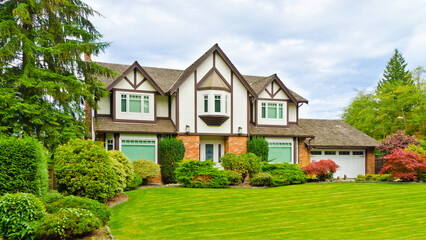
68 223
121 175
98 209
324 169
51 196
200 174
284 173
84 168
19 214
23 166
136 182
261 179
234 178
146 169
127 165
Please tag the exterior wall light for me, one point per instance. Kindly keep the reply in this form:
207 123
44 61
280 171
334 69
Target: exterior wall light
240 130
187 129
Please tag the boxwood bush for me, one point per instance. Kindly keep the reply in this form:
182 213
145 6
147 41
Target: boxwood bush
200 174
234 178
261 179
127 166
170 152
146 169
84 168
284 173
68 223
19 214
98 209
23 166
374 177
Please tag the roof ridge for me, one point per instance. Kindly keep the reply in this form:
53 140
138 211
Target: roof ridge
163 68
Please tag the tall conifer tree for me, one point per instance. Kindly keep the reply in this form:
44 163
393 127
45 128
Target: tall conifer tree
44 81
395 72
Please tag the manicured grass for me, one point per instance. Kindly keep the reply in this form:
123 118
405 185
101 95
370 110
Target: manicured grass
307 211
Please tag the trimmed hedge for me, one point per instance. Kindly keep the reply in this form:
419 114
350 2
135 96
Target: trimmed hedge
200 174
374 177
84 168
126 167
19 214
284 173
170 152
258 146
23 166
146 169
234 178
261 179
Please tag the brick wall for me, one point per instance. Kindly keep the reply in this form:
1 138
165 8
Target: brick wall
371 161
192 146
304 153
236 145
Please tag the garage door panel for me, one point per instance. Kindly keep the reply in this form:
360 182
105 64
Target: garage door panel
279 152
137 149
349 165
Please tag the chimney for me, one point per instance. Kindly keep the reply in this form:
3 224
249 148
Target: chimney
87 57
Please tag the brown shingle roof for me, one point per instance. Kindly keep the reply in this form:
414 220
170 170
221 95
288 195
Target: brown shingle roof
105 124
336 133
293 130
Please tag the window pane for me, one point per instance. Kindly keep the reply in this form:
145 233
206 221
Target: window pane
206 103
280 111
272 110
329 152
134 104
123 103
344 153
226 104
315 152
263 110
146 104
217 103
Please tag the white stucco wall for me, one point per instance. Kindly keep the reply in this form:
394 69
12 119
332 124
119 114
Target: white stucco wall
104 105
162 106
134 116
173 108
204 68
240 106
223 68
186 104
292 115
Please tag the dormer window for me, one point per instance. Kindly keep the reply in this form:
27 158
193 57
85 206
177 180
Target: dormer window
272 110
134 103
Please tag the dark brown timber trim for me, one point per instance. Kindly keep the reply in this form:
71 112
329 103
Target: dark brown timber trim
195 100
232 102
116 141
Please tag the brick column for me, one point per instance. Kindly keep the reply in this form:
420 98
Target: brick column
192 146
236 145
304 153
371 161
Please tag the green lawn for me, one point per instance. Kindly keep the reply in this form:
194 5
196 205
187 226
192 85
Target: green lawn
307 211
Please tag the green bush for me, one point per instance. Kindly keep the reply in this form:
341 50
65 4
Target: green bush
121 175
374 177
261 179
170 152
51 196
127 166
422 177
23 166
68 223
102 212
246 163
234 178
19 214
284 173
200 174
84 168
146 169
258 146
137 181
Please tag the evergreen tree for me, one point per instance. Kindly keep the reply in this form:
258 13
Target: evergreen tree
395 72
44 82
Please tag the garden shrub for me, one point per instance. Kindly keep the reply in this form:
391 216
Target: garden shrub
121 175
136 182
246 163
127 166
404 165
234 178
84 168
19 214
51 196
200 174
68 223
323 169
102 212
170 152
23 166
374 177
258 146
284 173
146 169
398 140
261 179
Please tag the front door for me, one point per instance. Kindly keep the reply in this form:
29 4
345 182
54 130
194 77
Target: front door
211 150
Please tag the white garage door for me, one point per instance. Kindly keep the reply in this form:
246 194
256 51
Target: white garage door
351 162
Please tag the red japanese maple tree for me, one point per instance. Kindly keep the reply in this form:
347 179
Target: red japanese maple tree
405 165
324 169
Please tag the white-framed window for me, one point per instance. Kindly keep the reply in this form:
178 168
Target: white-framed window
272 110
135 103
215 103
110 144
206 103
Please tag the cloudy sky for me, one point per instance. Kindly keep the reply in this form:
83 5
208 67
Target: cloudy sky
325 50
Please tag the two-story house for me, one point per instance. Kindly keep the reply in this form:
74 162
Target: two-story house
215 109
